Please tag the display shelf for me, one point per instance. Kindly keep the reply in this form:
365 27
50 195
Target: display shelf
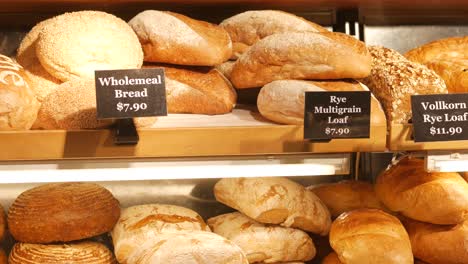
242 132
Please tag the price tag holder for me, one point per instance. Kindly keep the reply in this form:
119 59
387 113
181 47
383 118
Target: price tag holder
329 115
440 117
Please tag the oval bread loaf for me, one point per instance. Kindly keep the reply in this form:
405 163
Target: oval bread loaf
62 212
246 28
275 201
174 38
433 197
74 45
301 55
370 236
262 243
76 253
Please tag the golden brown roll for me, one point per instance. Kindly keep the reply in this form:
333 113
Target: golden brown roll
263 243
332 258
246 28
74 45
74 253
18 104
283 101
433 197
370 236
346 196
301 55
444 244
448 58
62 212
275 200
174 38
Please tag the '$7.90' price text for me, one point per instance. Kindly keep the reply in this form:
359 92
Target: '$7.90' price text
333 131
135 107
445 131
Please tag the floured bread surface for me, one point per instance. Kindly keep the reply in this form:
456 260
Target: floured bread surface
76 44
77 253
301 55
264 243
283 101
71 106
246 28
174 38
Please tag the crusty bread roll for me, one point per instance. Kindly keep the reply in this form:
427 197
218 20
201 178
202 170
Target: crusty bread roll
301 55
179 248
74 45
18 104
394 79
76 253
448 58
246 28
331 258
174 38
283 101
275 200
197 90
71 106
3 257
433 197
62 212
262 243
370 236
346 196
445 244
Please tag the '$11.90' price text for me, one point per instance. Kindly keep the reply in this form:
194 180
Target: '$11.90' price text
333 131
445 131
135 107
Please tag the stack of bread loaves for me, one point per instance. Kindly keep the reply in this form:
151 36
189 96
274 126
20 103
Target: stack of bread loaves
434 206
159 233
65 214
170 39
274 214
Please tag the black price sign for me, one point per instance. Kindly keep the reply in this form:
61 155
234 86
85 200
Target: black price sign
130 93
331 115
440 117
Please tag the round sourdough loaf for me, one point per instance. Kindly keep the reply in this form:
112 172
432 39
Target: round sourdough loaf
445 244
71 106
370 236
18 104
76 253
283 101
246 28
301 55
174 38
74 45
62 212
448 58
262 243
433 197
331 258
346 196
197 90
275 200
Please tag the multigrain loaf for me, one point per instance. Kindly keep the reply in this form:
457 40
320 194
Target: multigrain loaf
370 236
76 253
18 104
246 28
301 55
62 212
394 79
448 58
433 197
169 37
331 258
283 101
263 243
74 45
275 200
444 244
